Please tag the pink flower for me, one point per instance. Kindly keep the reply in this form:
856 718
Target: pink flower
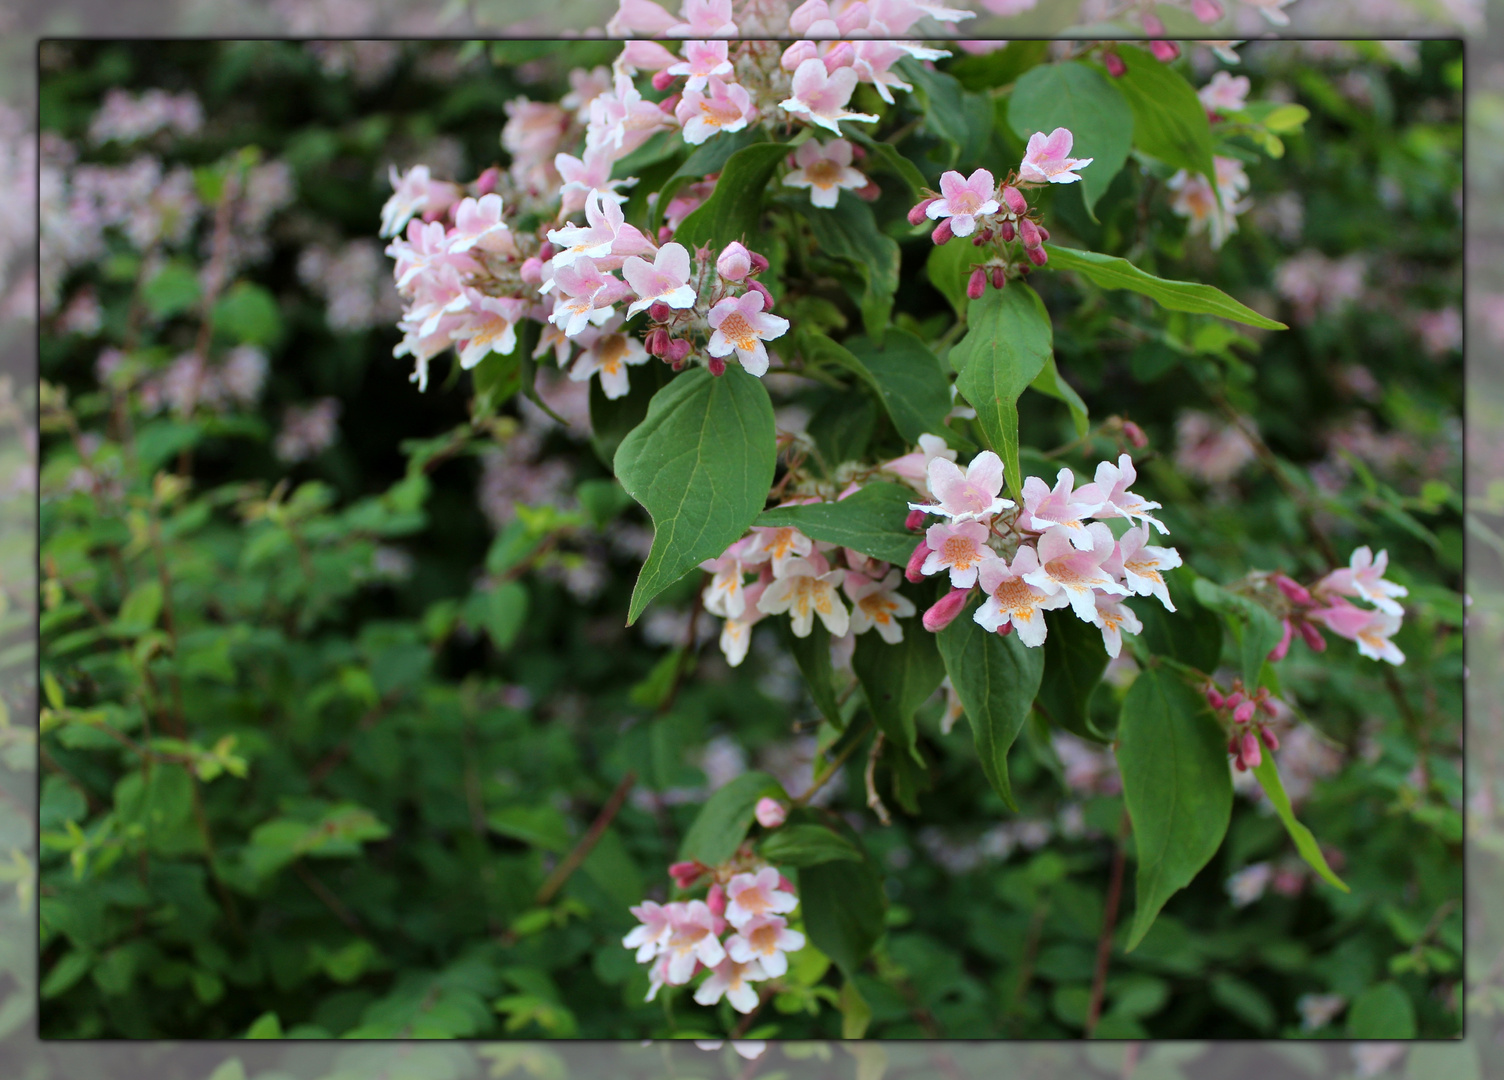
1079 573
804 589
704 19
966 496
1140 564
741 325
1364 577
477 223
588 296
963 200
414 192
702 59
1007 8
959 547
873 62
770 814
824 168
665 279
736 633
622 119
584 175
820 96
1270 10
1213 212
490 326
724 596
1207 11
609 354
1046 158
657 926
733 981
605 234
878 605
765 939
1114 618
1013 601
639 17
723 108
643 55
913 468
1372 637
780 543
694 940
1112 483
735 261
1062 508
751 895
1225 93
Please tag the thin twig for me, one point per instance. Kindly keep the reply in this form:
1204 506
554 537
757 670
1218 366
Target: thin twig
332 902
587 842
333 759
874 800
1109 924
826 776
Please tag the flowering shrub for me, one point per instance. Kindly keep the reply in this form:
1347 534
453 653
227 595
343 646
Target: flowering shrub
769 345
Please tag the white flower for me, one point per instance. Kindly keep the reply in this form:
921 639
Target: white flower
609 353
733 980
878 604
765 939
1011 599
804 591
824 168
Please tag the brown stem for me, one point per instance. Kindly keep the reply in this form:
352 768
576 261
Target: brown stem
1109 923
225 899
333 759
874 800
587 842
825 777
1026 964
330 901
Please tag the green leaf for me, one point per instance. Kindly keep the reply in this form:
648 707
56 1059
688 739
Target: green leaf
949 267
338 834
1000 67
849 231
996 679
701 463
139 611
1075 96
844 908
611 420
1169 121
1255 627
888 155
540 826
807 845
1050 383
1191 634
1268 775
870 521
908 379
709 157
502 611
1007 342
856 1014
1111 272
249 314
733 210
171 291
723 821
960 117
1244 1001
897 679
1384 1012
1074 659
66 972
1176 786
496 378
812 654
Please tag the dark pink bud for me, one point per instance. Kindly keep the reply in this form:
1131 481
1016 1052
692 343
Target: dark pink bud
1007 231
1232 747
759 262
1153 25
1005 629
669 103
1234 699
843 55
767 297
945 610
686 874
1271 740
715 900
486 182
916 560
546 252
976 284
677 350
1251 753
662 80
1114 65
665 234
717 365
1313 638
1044 234
871 191
1164 52
915 520
1208 11
1294 591
942 232
999 277
660 312
1214 697
1028 232
784 884
1135 435
1278 652
1239 764
1037 256
916 212
1244 712
980 238
656 341
1014 200
677 365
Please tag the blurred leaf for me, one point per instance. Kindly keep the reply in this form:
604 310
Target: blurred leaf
1073 95
541 826
844 907
1169 121
723 821
1383 1011
1074 659
172 290
734 209
806 845
249 314
897 679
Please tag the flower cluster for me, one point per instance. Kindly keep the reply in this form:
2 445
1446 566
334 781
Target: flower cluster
1045 555
1245 714
746 897
1325 605
1214 212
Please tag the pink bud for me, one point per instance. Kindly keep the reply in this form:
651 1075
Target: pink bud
656 341
546 251
770 813
1114 65
1295 592
735 262
1007 231
1251 753
1153 25
658 311
715 900
1236 698
1135 435
784 884
1005 629
662 80
843 55
1214 697
916 212
981 238
665 234
916 560
1164 52
942 232
767 297
1028 232
1278 652
1208 11
1038 256
1244 712
1014 200
485 183
945 610
717 365
1044 234
531 271
871 191
1313 637
1271 740
759 262
669 103
976 284
914 521
999 277
686 874
677 365
677 350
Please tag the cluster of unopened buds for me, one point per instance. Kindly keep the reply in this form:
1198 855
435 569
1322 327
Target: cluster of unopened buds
739 932
978 207
1325 604
1246 716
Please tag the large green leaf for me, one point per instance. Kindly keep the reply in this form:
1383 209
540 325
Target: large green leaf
1268 776
897 679
1383 1011
723 821
1007 342
1075 96
1169 121
996 679
1111 272
844 907
959 116
1074 659
1191 634
848 231
701 463
709 157
949 266
807 845
611 420
1176 785
732 212
909 380
1255 627
870 521
812 654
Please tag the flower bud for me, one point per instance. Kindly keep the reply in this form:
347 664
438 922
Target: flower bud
485 183
1244 712
767 297
980 238
976 284
916 212
1007 231
871 191
715 900
1153 25
759 262
1251 753
1014 200
1114 65
916 560
945 610
717 365
658 311
915 520
1236 698
999 277
547 250
665 234
662 80
677 350
1135 435
656 341
1271 740
785 885
670 103
1005 629
1028 232
677 365
1208 11
1044 234
1037 256
531 271
1313 637
942 232
770 813
735 262
1278 652
1214 697
1164 52
843 55
686 874
1294 591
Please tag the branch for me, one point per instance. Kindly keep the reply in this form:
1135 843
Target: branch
874 800
587 842
1109 923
